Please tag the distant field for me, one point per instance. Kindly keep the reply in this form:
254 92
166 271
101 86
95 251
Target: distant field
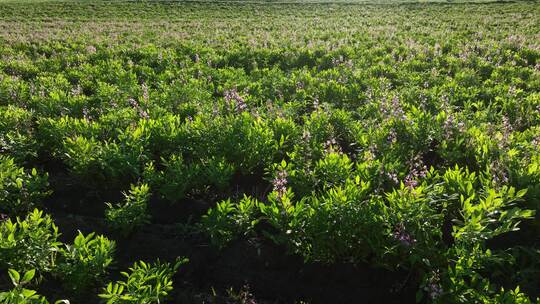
279 25
270 152
377 2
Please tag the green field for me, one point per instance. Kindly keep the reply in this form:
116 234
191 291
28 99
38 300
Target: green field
269 152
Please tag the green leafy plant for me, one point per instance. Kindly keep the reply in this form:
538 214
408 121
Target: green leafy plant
179 179
173 182
82 155
228 220
340 224
464 282
84 263
19 294
333 170
20 190
145 283
29 243
132 213
494 214
16 133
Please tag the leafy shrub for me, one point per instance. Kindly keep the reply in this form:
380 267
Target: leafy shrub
339 224
228 220
29 244
332 170
465 283
145 283
16 133
104 164
175 180
132 213
52 132
84 263
123 159
493 214
19 294
83 157
20 191
249 144
179 179
415 219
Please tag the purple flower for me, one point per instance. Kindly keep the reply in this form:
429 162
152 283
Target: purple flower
435 291
512 91
370 153
233 98
369 94
397 110
506 132
404 237
142 113
280 183
417 171
146 95
433 287
133 103
393 177
215 111
337 61
536 141
450 126
392 109
3 217
410 182
392 136
499 173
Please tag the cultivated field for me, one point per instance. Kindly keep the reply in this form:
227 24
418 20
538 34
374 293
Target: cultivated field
269 152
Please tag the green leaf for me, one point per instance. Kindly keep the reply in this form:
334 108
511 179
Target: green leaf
3 296
109 288
28 293
29 275
15 276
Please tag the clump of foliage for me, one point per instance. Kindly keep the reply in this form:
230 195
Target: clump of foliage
20 190
228 220
131 214
29 243
180 179
84 263
16 138
21 295
145 283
